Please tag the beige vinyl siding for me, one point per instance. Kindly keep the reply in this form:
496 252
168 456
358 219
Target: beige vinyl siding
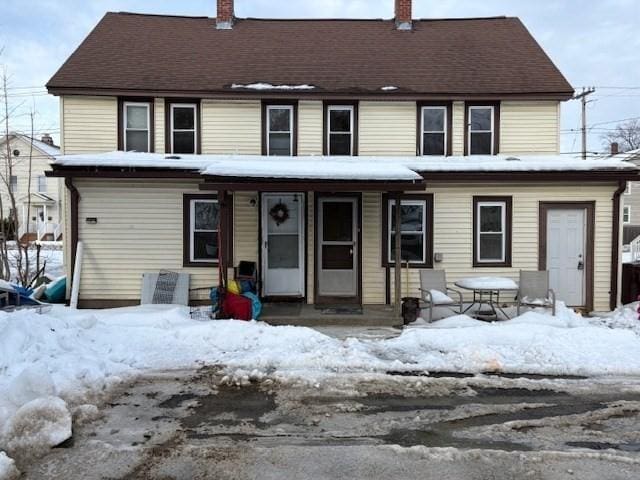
139 230
231 127
245 227
158 133
529 127
373 278
387 128
89 124
310 129
453 231
457 134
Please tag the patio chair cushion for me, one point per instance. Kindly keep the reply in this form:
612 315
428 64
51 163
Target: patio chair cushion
440 298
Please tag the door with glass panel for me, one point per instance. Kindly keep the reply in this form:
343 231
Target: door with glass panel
283 244
337 248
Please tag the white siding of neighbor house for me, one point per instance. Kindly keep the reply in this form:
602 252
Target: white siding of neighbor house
89 124
453 230
530 127
231 127
310 128
387 128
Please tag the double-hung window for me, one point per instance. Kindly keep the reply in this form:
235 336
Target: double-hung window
626 214
184 124
340 120
279 134
204 219
492 231
137 126
415 230
13 183
42 184
481 131
433 130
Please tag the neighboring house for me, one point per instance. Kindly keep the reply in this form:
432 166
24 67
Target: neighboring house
304 134
43 221
630 207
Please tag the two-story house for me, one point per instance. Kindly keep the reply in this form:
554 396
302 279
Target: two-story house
191 141
38 198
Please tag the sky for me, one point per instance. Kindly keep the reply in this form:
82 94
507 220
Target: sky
594 43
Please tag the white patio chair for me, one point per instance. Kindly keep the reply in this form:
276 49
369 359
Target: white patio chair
435 293
534 291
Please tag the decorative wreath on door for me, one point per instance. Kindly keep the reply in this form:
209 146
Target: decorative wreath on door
280 213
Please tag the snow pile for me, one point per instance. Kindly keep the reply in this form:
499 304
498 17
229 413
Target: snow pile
269 86
8 470
37 426
69 356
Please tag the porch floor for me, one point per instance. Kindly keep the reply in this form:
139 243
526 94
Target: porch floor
306 315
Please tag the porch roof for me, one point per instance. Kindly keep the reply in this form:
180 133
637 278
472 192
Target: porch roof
398 171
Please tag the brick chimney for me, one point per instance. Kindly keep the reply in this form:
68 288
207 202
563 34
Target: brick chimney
46 138
225 16
615 148
403 14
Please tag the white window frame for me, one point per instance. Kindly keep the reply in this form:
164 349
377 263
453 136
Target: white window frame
13 186
626 212
422 130
147 105
351 110
192 229
42 181
391 207
503 231
268 127
492 131
194 107
627 190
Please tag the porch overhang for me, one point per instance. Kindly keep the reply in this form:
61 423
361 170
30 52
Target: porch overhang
235 184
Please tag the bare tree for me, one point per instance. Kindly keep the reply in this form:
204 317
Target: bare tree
626 135
10 224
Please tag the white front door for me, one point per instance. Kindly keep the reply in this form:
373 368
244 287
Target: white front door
338 247
566 248
283 244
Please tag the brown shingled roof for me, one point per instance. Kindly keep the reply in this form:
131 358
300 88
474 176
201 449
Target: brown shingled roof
152 53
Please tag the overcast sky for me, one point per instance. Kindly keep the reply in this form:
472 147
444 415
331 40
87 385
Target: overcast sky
594 43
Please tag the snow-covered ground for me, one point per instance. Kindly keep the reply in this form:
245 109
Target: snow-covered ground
50 258
75 355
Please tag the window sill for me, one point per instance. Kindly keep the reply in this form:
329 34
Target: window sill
491 264
199 264
412 266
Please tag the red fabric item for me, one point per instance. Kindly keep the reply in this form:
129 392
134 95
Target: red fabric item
237 307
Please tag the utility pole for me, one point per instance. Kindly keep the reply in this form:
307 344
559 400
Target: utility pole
583 97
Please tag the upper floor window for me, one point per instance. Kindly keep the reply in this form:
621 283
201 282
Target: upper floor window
13 184
279 134
492 231
137 126
340 129
627 190
42 184
481 130
433 124
626 214
183 133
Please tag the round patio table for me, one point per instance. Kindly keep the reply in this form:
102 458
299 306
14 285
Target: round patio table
486 291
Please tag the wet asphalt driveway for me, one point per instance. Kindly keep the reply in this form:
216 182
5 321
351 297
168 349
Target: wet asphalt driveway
192 425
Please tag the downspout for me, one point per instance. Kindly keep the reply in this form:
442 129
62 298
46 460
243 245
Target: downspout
75 201
615 249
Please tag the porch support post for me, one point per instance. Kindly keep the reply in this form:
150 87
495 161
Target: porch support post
223 200
397 269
